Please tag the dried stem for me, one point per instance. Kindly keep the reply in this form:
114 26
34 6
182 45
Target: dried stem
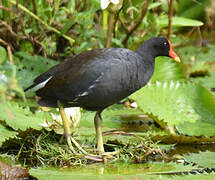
20 17
110 30
84 6
6 15
200 36
170 19
35 11
9 51
34 7
116 19
9 28
5 8
136 25
123 25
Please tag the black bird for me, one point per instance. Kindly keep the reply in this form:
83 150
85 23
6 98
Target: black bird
98 78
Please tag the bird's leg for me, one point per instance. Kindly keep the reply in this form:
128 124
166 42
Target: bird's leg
66 127
99 139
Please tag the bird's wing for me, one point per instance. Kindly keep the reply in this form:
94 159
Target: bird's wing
85 70
65 66
43 78
73 76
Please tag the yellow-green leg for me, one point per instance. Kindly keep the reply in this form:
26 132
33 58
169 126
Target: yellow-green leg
66 127
67 131
99 139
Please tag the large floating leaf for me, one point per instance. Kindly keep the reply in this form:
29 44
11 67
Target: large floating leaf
194 176
111 171
111 116
111 119
20 118
179 22
181 139
6 133
166 69
189 106
207 82
205 159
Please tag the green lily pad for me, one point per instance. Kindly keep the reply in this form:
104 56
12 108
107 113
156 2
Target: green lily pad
205 159
110 171
188 106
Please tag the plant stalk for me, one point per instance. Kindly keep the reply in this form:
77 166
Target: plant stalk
170 19
110 30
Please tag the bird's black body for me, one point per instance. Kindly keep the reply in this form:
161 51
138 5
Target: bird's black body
98 78
95 82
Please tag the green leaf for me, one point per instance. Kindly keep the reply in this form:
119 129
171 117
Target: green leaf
8 79
111 116
111 171
3 54
168 138
71 6
151 24
67 26
154 5
112 119
192 9
196 176
6 133
207 82
20 118
26 46
30 67
205 159
8 69
189 106
3 79
166 69
179 22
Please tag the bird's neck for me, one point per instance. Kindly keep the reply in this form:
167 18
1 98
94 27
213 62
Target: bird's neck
146 50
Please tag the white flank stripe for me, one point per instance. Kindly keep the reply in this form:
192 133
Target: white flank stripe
39 86
84 94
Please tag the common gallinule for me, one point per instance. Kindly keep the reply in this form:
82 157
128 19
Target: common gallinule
98 78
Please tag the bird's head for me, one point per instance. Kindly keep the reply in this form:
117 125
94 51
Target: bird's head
158 46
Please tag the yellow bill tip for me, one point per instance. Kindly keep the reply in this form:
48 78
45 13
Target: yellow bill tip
177 59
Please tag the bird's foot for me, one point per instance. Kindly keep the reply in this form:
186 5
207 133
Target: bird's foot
109 156
68 139
71 141
78 146
101 157
105 157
